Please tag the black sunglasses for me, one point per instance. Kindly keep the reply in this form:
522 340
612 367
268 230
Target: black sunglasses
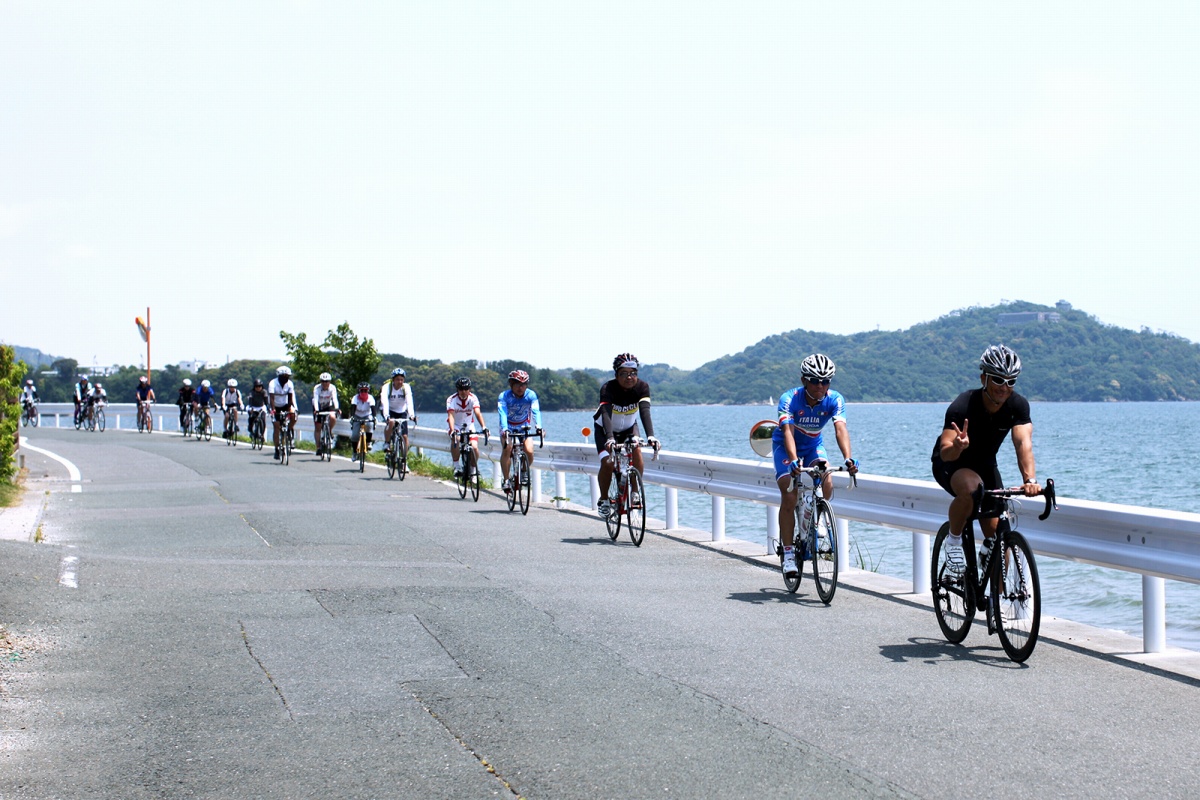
1001 381
822 381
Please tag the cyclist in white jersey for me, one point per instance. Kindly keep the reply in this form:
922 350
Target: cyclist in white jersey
324 399
283 403
396 402
362 412
462 408
231 401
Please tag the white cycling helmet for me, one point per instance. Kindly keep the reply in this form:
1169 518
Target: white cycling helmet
187 381
817 366
204 384
325 376
99 386
231 383
1001 361
284 371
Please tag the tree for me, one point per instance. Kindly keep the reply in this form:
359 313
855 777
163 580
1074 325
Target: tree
343 355
11 371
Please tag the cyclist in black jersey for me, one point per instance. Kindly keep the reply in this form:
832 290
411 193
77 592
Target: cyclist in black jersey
977 422
623 400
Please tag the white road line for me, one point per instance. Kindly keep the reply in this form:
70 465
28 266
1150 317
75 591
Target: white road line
68 572
72 470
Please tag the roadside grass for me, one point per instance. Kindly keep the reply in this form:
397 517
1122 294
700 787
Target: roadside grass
10 494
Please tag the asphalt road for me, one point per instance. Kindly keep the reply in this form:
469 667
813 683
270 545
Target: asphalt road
242 629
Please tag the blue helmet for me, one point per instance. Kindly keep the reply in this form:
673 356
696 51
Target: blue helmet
398 372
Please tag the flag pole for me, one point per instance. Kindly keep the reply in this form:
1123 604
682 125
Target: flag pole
148 380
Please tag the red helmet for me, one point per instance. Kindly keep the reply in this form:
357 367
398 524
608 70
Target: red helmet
519 375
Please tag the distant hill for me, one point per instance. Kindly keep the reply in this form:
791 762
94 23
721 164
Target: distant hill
1067 355
33 357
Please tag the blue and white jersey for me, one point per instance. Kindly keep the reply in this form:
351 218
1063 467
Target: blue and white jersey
807 421
516 412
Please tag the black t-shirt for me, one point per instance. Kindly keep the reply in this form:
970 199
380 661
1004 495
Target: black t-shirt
623 403
986 431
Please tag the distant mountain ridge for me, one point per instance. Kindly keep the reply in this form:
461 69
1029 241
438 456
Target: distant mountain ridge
34 357
1066 355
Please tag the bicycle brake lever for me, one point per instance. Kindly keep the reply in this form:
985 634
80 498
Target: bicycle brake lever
1051 498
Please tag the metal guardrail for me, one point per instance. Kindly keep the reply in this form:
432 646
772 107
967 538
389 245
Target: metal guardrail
1158 544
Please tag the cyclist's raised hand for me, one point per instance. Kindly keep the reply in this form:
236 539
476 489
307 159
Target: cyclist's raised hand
961 440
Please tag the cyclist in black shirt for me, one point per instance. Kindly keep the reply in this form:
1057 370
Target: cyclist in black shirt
977 422
623 400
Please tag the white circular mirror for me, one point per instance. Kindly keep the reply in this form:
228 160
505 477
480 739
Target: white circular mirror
760 437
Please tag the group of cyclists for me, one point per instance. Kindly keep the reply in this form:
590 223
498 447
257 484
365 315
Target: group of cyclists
964 457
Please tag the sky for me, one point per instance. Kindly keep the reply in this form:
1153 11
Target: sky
559 182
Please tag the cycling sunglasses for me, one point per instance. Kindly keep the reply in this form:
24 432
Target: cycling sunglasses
821 381
1001 381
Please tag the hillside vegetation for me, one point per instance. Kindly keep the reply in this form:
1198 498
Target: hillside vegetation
1076 358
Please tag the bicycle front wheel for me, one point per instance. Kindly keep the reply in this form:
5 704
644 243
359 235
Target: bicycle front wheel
613 520
362 450
953 596
207 431
1016 598
635 507
402 459
34 417
100 419
473 474
464 473
524 485
823 546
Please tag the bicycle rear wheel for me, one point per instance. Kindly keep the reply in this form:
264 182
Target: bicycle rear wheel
953 597
613 520
524 486
1016 598
635 507
823 546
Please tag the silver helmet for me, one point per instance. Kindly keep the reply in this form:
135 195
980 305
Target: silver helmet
1001 361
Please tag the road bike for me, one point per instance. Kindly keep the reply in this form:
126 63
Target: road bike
286 432
1005 586
397 451
627 493
466 473
30 415
204 424
144 417
520 487
816 532
323 435
185 423
95 416
362 444
257 426
81 415
230 433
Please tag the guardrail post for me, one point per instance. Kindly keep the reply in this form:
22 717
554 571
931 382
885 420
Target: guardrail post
773 529
594 485
497 474
117 417
672 500
843 543
1154 614
560 489
56 420
718 518
920 562
535 477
